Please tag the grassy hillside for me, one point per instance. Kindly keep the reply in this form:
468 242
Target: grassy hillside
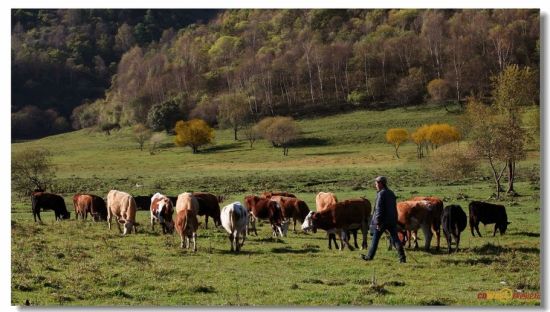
339 153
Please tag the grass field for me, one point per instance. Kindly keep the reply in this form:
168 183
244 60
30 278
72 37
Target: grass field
83 263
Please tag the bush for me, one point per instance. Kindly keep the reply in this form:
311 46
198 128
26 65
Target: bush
193 133
451 162
163 116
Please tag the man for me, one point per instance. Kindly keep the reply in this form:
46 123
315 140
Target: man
384 219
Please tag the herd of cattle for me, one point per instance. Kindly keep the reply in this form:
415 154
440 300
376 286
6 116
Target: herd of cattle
342 218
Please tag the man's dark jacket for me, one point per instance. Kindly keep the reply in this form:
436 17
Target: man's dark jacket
385 209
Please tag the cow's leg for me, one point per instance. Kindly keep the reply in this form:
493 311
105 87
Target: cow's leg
427 236
294 225
477 229
449 240
152 222
206 221
194 241
437 230
182 238
243 234
364 233
409 235
457 238
331 238
231 240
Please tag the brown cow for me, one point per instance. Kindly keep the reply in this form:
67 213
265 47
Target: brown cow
263 208
292 207
186 219
412 215
162 210
122 206
271 194
209 207
92 204
435 205
322 200
342 217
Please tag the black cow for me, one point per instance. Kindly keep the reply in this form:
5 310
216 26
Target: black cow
487 213
453 221
143 202
49 201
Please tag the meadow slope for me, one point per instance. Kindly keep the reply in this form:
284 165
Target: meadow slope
83 263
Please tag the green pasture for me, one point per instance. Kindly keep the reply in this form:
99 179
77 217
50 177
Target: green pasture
83 263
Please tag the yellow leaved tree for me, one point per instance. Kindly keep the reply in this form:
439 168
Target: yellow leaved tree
193 133
397 136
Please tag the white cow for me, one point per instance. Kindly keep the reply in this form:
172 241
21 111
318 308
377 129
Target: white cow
122 206
234 218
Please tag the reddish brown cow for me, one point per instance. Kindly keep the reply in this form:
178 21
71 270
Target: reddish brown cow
186 226
92 204
292 207
271 194
435 206
209 207
342 217
162 210
412 215
263 208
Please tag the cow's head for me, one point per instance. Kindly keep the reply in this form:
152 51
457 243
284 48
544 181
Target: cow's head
128 225
503 227
284 227
307 225
66 215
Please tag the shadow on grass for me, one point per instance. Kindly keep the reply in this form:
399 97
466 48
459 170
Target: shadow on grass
471 261
490 249
223 147
331 153
289 250
242 252
303 142
528 234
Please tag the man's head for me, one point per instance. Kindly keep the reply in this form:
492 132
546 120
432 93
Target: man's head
381 182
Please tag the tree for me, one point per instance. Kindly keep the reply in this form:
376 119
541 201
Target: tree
232 111
513 89
438 90
155 141
282 131
31 169
193 133
262 127
421 138
487 131
252 134
141 134
397 136
163 116
440 134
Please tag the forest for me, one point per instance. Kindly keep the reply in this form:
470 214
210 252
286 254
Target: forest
73 69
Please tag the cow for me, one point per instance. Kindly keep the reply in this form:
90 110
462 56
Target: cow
92 204
292 207
122 206
322 200
143 202
187 224
487 213
49 201
208 207
453 221
162 211
342 217
271 194
412 215
234 219
435 205
263 208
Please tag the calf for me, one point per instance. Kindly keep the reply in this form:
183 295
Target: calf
162 211
208 207
342 217
186 220
453 221
322 200
122 206
49 201
487 213
92 204
263 208
234 219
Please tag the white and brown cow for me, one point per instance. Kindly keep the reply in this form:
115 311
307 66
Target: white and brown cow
162 211
264 208
234 219
122 206
187 224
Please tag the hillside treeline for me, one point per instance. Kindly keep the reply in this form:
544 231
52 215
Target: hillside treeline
298 62
61 59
